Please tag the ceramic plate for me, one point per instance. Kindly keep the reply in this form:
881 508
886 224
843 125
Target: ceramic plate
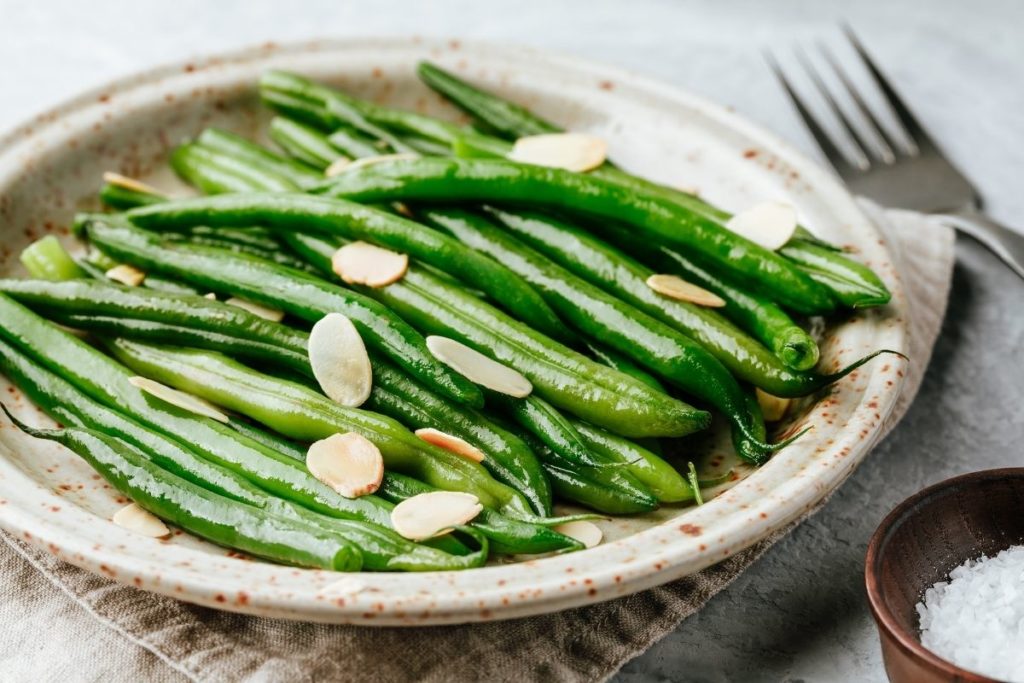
51 167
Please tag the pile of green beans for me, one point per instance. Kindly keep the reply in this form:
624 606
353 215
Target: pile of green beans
541 269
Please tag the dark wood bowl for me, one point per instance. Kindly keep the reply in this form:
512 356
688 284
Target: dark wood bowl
919 543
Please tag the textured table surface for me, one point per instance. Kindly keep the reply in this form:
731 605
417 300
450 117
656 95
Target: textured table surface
799 614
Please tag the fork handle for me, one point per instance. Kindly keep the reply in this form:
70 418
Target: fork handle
1007 244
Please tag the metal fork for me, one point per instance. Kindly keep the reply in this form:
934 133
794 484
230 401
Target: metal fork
911 173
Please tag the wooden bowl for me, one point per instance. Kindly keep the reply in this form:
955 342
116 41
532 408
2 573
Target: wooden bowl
919 543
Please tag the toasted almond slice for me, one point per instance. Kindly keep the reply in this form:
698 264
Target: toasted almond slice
339 360
141 521
262 311
676 287
432 514
188 402
571 151
362 263
130 184
478 368
772 407
452 443
769 224
587 533
345 165
349 463
126 275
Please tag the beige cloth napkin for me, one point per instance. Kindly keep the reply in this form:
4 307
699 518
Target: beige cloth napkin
83 627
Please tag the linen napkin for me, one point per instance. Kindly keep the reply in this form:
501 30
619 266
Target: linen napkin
73 624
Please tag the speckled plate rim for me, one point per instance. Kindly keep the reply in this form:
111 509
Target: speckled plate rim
789 486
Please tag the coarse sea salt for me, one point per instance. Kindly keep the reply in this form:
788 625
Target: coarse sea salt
976 619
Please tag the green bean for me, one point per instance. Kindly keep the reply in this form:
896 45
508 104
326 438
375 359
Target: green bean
317 105
302 142
46 258
122 198
853 284
508 459
559 375
509 119
659 476
214 172
355 144
300 413
202 512
382 549
611 269
106 381
668 223
352 221
647 341
506 535
236 146
624 365
296 292
756 314
191 320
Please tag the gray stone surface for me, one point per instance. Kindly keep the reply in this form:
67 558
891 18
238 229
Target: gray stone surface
799 614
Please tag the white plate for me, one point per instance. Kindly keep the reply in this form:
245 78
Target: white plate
51 166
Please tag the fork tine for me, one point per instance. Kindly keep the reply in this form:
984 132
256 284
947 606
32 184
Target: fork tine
859 142
832 152
886 145
915 131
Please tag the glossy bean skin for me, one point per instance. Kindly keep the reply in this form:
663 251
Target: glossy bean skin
297 412
506 535
300 294
214 172
297 212
565 378
657 347
90 304
500 181
849 282
507 457
757 315
106 381
381 548
238 147
609 267
302 142
201 512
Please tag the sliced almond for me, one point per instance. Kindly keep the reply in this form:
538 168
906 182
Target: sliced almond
452 443
362 263
676 287
432 514
262 311
126 275
478 368
339 360
132 184
349 463
141 521
769 224
772 407
188 402
587 533
210 295
345 165
572 151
